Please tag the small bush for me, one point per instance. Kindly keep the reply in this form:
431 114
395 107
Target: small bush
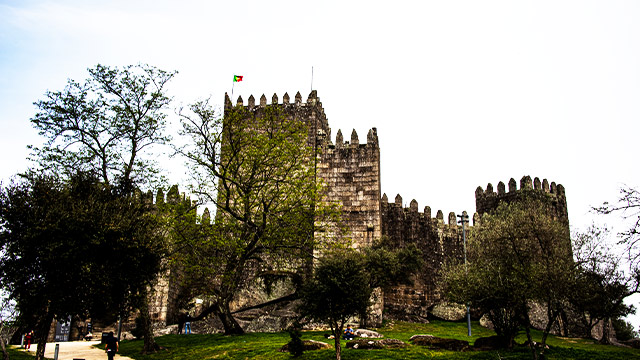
296 345
624 330
137 330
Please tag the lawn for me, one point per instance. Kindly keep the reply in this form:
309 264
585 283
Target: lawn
266 345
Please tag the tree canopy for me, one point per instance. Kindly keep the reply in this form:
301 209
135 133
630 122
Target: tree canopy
517 255
74 248
105 125
344 280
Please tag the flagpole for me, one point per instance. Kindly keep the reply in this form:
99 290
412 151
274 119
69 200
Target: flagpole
233 84
311 78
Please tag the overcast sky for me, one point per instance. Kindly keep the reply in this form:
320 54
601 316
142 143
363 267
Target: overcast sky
462 93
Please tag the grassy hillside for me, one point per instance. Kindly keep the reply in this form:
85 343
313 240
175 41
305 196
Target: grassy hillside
266 345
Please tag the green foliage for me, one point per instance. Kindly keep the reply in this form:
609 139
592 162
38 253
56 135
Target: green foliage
386 267
517 254
262 346
296 346
343 282
75 248
256 168
138 330
104 125
600 286
624 330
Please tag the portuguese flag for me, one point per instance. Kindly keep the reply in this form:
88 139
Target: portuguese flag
237 78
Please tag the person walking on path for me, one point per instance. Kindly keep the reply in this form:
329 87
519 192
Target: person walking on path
112 346
28 339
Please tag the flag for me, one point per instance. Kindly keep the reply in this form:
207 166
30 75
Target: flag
237 78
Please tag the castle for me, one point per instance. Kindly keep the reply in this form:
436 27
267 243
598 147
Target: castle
351 171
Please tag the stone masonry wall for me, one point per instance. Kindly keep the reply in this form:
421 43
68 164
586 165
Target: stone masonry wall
351 172
438 240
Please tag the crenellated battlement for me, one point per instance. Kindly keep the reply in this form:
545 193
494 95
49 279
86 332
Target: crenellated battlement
312 100
310 112
452 219
487 199
372 140
525 184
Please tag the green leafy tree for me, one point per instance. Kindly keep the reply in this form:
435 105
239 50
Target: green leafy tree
600 285
74 247
337 291
344 280
624 330
257 169
519 254
107 127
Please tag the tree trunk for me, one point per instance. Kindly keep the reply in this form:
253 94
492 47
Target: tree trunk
5 355
532 345
231 326
338 347
41 335
150 345
552 316
606 332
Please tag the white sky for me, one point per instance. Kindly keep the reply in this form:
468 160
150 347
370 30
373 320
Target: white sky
462 92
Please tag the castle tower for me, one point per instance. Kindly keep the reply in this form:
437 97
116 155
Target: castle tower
349 169
487 199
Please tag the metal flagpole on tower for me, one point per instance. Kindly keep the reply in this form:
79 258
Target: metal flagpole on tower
232 86
311 78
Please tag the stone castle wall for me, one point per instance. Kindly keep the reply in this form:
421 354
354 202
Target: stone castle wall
351 172
439 242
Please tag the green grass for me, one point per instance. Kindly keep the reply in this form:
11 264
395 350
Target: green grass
18 354
266 345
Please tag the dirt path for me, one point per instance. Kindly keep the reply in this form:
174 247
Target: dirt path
77 350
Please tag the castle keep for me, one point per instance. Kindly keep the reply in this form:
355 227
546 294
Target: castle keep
351 171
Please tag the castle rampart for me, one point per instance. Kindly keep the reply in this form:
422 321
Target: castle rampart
438 240
351 172
488 200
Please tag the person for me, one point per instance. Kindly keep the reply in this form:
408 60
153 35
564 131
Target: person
187 325
112 346
28 338
348 333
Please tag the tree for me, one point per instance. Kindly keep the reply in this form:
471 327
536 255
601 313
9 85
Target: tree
628 205
258 171
519 254
344 280
74 247
337 291
600 286
7 322
106 125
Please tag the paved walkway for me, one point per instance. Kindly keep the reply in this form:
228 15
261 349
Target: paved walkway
77 350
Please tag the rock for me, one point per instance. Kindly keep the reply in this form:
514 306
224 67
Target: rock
308 346
491 343
485 322
434 342
367 333
374 344
171 329
449 311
